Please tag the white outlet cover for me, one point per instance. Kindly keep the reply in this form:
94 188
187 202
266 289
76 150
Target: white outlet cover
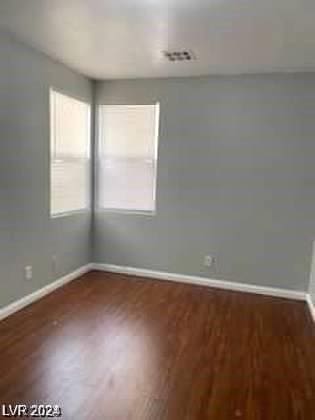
208 260
28 272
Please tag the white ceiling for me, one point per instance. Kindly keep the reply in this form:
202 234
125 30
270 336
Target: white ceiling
124 38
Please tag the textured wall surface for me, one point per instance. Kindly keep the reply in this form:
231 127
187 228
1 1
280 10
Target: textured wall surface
28 236
312 277
236 179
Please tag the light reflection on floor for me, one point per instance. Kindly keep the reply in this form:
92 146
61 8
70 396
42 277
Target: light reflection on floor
126 354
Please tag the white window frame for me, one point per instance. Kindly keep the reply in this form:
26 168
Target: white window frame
97 207
52 140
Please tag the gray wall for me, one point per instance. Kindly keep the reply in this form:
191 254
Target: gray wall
27 234
236 179
312 276
312 289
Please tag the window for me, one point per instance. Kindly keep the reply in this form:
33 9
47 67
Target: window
127 157
69 154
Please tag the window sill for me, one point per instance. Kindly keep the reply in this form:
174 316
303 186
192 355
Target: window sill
69 213
127 212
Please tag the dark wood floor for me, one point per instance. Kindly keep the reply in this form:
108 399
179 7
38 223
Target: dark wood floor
115 347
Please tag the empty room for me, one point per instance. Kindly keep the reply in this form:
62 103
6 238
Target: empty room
157 209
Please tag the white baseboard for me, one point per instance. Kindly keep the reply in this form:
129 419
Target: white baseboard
38 294
159 275
311 306
202 281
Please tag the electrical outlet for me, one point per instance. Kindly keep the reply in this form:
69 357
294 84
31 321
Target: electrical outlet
208 261
28 272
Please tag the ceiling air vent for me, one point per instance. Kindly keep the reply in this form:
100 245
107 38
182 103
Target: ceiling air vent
184 55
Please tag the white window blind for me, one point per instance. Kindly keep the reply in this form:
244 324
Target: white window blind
127 157
69 154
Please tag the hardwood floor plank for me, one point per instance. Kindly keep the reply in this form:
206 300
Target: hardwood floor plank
110 346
